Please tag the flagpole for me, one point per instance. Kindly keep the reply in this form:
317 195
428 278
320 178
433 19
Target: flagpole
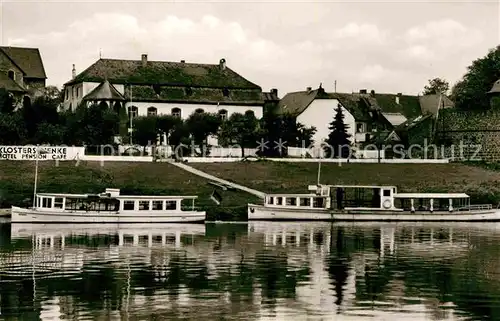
319 165
36 177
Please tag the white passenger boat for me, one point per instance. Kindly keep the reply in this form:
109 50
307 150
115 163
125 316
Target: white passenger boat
108 207
370 203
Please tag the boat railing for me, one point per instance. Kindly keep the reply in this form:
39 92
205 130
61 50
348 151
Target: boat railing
475 207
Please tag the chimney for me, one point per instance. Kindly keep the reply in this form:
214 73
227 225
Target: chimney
73 72
183 61
274 91
372 92
362 91
144 59
222 64
308 89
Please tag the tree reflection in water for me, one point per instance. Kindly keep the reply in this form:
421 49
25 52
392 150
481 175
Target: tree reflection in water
228 280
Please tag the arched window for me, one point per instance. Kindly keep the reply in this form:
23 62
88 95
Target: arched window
250 113
11 75
199 111
103 105
176 112
117 106
223 114
152 111
133 111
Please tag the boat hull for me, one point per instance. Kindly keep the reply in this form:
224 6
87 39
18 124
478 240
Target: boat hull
23 215
260 212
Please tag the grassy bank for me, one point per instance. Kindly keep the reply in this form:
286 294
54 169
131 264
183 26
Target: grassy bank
482 183
16 183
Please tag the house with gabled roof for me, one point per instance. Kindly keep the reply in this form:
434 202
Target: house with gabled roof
317 108
147 87
372 118
22 72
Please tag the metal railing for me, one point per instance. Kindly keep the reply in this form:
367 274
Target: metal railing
477 207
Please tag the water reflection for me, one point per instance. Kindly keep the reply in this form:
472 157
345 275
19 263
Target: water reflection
252 271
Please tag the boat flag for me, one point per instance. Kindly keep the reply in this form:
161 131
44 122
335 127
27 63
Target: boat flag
216 197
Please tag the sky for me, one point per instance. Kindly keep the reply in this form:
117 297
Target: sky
390 46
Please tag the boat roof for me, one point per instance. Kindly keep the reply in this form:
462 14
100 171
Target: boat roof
313 187
431 195
124 197
294 195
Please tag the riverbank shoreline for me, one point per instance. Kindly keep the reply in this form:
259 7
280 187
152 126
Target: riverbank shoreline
16 181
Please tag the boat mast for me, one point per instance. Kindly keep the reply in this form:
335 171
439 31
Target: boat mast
36 175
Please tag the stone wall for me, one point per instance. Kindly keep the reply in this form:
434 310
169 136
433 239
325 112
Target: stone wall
472 132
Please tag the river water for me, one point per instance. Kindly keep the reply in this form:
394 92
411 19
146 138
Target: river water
255 271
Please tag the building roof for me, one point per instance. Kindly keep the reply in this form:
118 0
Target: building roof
119 71
28 60
395 119
105 91
358 105
432 103
407 105
295 103
9 84
195 95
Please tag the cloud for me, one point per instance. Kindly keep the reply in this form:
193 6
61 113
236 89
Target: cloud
446 33
361 32
355 54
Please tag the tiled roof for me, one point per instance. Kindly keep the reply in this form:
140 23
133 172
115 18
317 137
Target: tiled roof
296 102
194 95
119 71
408 105
28 59
9 84
431 103
270 96
105 91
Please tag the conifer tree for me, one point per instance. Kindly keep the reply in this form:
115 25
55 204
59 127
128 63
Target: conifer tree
338 142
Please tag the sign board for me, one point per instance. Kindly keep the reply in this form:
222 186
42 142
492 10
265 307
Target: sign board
43 153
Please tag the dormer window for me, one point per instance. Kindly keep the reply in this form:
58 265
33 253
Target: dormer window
225 92
11 75
188 91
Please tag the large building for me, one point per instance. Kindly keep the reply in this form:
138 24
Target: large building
147 87
22 72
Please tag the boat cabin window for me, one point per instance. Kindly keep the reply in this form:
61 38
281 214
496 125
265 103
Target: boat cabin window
128 205
387 192
157 206
46 202
319 202
170 205
58 202
279 200
305 201
291 201
143 205
270 200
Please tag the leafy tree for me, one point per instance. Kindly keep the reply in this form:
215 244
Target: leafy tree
43 109
338 140
12 129
436 86
145 130
48 133
202 125
241 129
471 91
94 125
6 102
